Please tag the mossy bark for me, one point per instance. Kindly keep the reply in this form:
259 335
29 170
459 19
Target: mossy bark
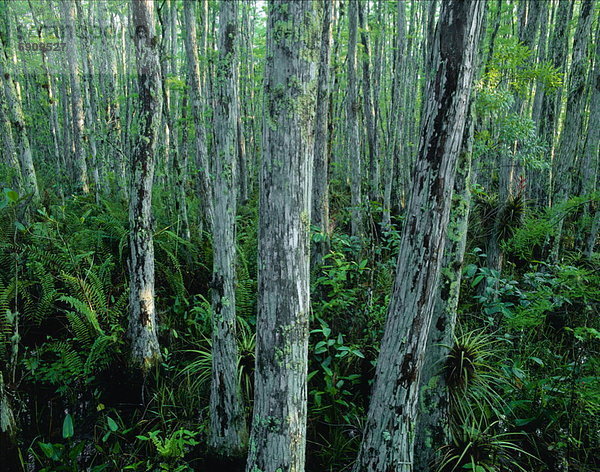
352 131
389 433
228 427
198 103
14 113
142 318
433 424
565 164
77 115
320 183
278 438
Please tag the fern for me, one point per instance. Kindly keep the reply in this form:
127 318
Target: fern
84 321
88 290
101 354
5 318
41 308
244 293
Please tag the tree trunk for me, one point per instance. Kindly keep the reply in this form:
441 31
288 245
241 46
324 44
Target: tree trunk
197 99
17 119
228 427
388 437
539 177
142 322
397 114
278 436
368 109
9 150
111 140
91 117
353 138
566 160
320 184
592 150
551 103
433 422
52 102
80 163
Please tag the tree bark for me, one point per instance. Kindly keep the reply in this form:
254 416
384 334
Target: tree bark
551 103
91 116
320 184
592 150
433 427
566 159
353 137
80 162
9 150
142 321
278 437
15 115
228 428
397 113
368 109
388 437
197 100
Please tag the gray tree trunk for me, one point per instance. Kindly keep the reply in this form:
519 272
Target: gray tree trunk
388 437
539 177
197 100
142 321
433 422
111 141
397 113
320 184
278 438
565 163
9 150
551 103
368 108
78 120
541 57
353 136
228 427
180 168
52 102
91 117
15 115
592 149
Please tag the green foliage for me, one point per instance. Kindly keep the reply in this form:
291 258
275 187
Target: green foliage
513 67
480 448
171 448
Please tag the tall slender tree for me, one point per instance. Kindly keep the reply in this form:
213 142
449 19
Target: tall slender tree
320 184
353 135
369 111
77 115
9 150
278 437
591 158
388 437
433 425
396 113
228 427
14 111
197 100
565 164
142 316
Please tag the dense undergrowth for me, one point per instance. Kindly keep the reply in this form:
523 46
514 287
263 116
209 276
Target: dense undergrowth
523 370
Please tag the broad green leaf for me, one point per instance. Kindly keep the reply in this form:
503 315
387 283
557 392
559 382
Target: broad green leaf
67 430
112 424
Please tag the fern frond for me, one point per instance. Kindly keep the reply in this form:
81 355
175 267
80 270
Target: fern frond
100 355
